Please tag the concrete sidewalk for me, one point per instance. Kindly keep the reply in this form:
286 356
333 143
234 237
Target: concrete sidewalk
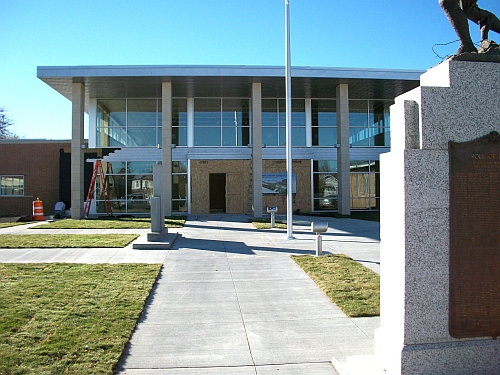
229 300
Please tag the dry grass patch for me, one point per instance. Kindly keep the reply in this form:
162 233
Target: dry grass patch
354 288
69 318
266 223
112 223
30 241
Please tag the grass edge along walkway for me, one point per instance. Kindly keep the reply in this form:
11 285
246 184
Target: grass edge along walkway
354 288
69 318
51 241
111 223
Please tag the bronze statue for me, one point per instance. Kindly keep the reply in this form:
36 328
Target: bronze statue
458 13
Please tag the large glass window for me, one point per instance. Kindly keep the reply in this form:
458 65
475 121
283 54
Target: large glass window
274 122
111 123
325 185
221 122
235 122
179 186
365 185
324 122
369 123
179 122
12 185
128 122
129 187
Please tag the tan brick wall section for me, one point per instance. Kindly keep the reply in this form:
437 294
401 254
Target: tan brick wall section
301 200
238 181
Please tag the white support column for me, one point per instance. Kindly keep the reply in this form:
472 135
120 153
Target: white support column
92 122
166 155
343 152
257 149
77 151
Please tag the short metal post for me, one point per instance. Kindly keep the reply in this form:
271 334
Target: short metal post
319 245
273 220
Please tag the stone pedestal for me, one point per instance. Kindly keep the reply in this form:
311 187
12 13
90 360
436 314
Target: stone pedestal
457 101
158 229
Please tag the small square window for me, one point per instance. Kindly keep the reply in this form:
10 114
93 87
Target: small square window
12 185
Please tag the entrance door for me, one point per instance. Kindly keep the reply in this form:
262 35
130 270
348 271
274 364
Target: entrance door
217 188
234 194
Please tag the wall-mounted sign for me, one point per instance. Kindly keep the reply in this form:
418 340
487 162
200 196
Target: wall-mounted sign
275 183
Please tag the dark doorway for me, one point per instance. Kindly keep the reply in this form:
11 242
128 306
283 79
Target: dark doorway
65 175
217 188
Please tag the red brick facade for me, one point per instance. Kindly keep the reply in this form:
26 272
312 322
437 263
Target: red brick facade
38 162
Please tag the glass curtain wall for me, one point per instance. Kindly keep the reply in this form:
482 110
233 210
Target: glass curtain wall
325 185
369 123
221 122
128 122
324 122
179 186
179 122
274 122
129 187
365 185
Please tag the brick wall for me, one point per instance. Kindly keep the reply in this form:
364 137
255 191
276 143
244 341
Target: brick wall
38 162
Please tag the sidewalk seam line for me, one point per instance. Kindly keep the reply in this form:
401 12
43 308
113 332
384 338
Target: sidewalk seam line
239 307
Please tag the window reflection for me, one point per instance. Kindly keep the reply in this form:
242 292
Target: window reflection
325 185
128 122
274 122
369 123
179 122
221 122
365 184
324 122
179 186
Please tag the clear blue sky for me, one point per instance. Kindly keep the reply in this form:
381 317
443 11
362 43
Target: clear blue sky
393 34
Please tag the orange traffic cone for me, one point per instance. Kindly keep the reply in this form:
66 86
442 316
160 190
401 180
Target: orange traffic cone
38 210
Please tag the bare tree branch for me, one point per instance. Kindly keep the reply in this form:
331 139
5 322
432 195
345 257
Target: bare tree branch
5 122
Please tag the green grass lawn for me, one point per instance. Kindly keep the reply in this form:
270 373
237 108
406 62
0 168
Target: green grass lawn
354 288
112 223
27 241
69 318
266 223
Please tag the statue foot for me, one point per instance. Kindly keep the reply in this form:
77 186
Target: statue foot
466 49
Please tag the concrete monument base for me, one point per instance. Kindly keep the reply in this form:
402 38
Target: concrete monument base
457 101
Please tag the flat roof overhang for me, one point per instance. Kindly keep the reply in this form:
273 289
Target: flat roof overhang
227 81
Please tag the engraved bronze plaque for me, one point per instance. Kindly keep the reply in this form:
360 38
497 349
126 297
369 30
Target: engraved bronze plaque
475 237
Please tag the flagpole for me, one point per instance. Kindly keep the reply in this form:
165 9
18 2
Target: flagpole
288 87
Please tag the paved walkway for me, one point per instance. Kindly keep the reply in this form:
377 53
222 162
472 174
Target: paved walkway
229 300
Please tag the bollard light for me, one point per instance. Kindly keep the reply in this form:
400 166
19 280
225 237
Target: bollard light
319 228
272 210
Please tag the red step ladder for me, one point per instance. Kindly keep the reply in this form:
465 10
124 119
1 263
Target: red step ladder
98 171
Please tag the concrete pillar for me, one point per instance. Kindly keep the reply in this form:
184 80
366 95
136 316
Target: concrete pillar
343 152
166 155
77 152
257 149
